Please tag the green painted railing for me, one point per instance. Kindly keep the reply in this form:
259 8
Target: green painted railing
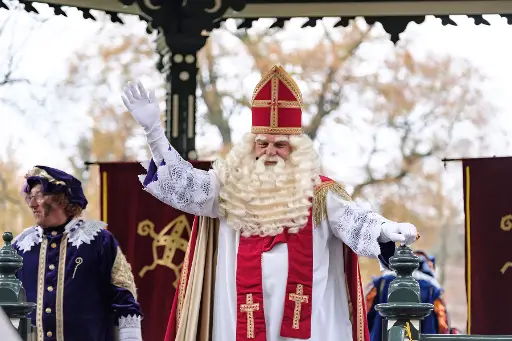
404 310
13 299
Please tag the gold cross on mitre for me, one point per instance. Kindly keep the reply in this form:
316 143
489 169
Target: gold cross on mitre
277 92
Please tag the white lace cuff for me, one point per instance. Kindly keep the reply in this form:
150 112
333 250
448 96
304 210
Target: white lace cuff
184 187
129 328
356 226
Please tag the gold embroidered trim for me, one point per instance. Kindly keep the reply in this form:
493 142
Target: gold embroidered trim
43 174
274 106
350 306
360 325
271 130
249 307
274 76
40 289
281 104
359 297
320 199
183 282
298 297
283 76
122 275
59 302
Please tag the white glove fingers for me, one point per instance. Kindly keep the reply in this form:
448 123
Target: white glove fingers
142 90
128 94
126 102
411 234
411 240
152 96
405 233
134 91
396 237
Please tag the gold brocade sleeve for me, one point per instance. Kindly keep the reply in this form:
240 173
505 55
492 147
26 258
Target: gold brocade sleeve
320 199
370 297
122 275
442 318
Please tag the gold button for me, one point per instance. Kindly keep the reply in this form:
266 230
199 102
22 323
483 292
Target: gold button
53 245
54 233
49 334
48 310
50 288
52 266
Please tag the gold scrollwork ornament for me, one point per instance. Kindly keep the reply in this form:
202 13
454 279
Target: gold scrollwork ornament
505 267
170 238
506 223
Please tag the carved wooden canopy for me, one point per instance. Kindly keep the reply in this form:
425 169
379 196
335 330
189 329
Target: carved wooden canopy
393 15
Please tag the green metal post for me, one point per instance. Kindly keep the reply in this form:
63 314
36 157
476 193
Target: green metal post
402 314
404 310
13 299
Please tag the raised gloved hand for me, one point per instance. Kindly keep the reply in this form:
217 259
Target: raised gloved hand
143 106
405 233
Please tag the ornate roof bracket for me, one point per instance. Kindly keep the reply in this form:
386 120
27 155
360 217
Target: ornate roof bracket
183 27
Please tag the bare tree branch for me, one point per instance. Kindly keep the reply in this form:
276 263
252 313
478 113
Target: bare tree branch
212 97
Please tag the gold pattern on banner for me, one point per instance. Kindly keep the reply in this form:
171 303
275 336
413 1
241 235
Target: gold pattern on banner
170 239
506 223
505 267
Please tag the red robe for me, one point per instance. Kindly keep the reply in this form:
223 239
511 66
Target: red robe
200 328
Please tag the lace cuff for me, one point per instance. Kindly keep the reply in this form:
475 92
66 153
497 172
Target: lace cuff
357 227
178 184
130 321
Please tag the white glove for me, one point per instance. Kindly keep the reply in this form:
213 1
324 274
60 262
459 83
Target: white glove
143 107
130 334
404 233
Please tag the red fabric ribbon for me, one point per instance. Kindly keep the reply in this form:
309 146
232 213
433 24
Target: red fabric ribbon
296 321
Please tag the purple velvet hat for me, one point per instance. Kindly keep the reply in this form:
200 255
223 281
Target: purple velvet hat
56 181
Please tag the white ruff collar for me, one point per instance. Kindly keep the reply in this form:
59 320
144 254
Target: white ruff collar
79 232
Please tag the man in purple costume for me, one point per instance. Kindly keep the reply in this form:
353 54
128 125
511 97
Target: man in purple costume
73 268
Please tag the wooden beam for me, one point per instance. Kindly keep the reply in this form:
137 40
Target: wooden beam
326 9
395 8
102 5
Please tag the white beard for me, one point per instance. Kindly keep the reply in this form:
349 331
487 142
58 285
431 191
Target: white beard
263 200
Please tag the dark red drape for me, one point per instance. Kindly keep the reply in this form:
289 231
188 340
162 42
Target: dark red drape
488 212
152 235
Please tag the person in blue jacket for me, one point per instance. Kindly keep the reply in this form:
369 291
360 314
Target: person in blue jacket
431 292
73 268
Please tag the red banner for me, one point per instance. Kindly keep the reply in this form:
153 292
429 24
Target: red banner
488 211
152 235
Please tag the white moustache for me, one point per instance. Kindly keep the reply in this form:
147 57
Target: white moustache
260 167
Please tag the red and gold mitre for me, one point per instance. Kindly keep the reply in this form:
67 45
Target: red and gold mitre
277 104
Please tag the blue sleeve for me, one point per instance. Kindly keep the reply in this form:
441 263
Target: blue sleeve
373 317
120 280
